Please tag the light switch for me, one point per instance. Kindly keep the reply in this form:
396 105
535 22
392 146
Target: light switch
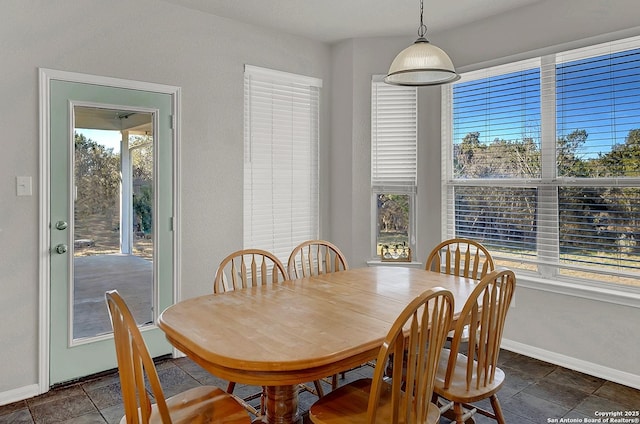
23 186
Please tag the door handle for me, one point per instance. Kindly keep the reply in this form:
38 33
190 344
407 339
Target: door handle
61 225
61 248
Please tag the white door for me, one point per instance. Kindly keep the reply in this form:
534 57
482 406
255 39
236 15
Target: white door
111 206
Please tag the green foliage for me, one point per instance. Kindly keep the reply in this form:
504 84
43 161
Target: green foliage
142 157
393 212
141 148
498 159
143 209
594 220
393 219
624 159
567 158
97 177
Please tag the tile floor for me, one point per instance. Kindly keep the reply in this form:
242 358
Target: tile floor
535 392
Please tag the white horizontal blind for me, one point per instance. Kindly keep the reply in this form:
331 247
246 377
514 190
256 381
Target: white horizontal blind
600 227
598 141
495 135
501 218
599 90
394 134
281 160
497 109
545 162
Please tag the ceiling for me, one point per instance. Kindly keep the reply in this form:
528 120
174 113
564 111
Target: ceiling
334 20
112 119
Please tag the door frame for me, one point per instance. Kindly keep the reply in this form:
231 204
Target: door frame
44 259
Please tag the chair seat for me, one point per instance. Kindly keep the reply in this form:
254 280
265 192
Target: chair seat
204 404
348 404
457 390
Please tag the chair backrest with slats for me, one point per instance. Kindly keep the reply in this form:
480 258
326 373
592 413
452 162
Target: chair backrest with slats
134 363
416 352
315 257
248 268
460 257
486 312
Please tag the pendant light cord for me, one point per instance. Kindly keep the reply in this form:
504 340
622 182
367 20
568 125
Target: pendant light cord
422 29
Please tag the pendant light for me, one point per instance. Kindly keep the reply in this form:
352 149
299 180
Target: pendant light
421 63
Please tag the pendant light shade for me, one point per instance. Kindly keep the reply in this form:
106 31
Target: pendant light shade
421 63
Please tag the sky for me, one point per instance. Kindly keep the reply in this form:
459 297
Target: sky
110 139
598 94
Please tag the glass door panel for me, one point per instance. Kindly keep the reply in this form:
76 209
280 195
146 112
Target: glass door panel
112 217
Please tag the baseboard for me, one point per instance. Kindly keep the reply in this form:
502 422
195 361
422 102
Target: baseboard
18 394
579 365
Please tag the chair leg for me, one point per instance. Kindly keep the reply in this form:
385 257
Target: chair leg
458 412
258 413
497 410
318 387
334 381
231 387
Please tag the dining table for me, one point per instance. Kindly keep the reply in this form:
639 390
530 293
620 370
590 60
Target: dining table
297 331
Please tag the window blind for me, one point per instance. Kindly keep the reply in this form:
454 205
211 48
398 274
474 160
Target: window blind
394 134
543 162
598 156
502 218
496 116
281 140
598 89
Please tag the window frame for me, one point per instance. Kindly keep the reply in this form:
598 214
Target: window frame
548 274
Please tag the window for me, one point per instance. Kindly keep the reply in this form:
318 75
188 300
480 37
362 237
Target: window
281 121
543 162
394 133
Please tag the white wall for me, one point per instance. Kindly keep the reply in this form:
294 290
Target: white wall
153 41
577 329
143 40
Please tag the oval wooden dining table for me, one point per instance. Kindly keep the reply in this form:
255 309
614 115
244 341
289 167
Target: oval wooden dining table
300 330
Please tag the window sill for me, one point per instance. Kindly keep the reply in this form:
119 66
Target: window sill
378 262
626 296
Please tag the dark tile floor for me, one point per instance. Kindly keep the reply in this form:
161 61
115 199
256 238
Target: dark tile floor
535 392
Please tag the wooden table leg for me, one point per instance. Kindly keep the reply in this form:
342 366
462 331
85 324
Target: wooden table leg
282 405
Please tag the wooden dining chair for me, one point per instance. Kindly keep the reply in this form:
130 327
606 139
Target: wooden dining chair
420 331
203 404
315 257
468 372
248 268
461 257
